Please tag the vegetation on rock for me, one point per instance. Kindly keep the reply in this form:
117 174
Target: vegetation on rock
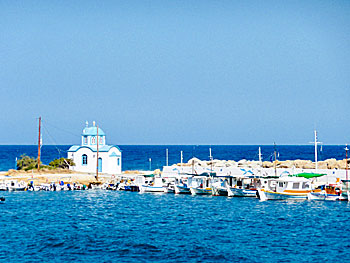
63 163
26 163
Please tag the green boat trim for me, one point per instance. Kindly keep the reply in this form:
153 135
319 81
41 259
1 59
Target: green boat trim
307 175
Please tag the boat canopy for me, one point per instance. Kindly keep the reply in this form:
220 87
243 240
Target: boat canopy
308 175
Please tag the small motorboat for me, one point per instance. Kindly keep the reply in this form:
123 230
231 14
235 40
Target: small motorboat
156 186
2 199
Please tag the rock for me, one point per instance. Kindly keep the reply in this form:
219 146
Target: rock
194 160
286 164
267 164
302 164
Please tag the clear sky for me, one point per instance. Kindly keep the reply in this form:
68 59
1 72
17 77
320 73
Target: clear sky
176 72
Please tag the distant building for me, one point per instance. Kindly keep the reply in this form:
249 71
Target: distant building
84 155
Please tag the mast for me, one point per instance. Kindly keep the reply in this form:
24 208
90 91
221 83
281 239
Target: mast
39 144
346 161
97 156
316 143
260 156
181 158
167 157
211 161
275 163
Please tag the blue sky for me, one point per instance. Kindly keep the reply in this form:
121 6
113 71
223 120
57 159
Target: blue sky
176 72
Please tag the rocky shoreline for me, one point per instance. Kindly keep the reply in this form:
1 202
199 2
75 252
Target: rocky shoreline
299 164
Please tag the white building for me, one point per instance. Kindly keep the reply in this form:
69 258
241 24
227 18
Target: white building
85 155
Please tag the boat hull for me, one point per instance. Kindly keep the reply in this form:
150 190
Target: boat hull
182 190
323 196
152 189
238 192
201 191
284 195
219 191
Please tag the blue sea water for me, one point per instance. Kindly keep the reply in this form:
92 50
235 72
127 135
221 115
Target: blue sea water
136 157
110 226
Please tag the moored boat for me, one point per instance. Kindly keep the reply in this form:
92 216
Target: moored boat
328 192
285 188
200 185
155 187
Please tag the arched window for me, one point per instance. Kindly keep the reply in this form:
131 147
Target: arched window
84 159
118 161
101 140
85 140
93 140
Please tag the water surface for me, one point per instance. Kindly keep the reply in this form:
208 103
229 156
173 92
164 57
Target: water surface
109 226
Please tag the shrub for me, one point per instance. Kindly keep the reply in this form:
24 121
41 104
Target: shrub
26 163
63 163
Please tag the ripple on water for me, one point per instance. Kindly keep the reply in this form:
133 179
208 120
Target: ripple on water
130 227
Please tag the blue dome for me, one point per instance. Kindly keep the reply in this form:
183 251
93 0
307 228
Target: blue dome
92 131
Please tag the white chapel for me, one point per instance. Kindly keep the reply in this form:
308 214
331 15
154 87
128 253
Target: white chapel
85 155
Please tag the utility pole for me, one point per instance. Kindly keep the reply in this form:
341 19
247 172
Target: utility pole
97 155
39 144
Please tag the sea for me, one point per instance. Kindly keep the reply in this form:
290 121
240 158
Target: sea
115 226
150 157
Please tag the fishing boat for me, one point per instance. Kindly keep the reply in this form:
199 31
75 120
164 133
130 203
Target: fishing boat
244 187
219 188
345 190
285 188
330 192
3 187
155 187
200 185
181 186
170 188
220 184
16 186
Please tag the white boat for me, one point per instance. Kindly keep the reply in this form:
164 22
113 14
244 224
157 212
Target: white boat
245 186
345 190
155 187
181 186
219 187
241 192
285 188
330 192
16 186
200 185
170 189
